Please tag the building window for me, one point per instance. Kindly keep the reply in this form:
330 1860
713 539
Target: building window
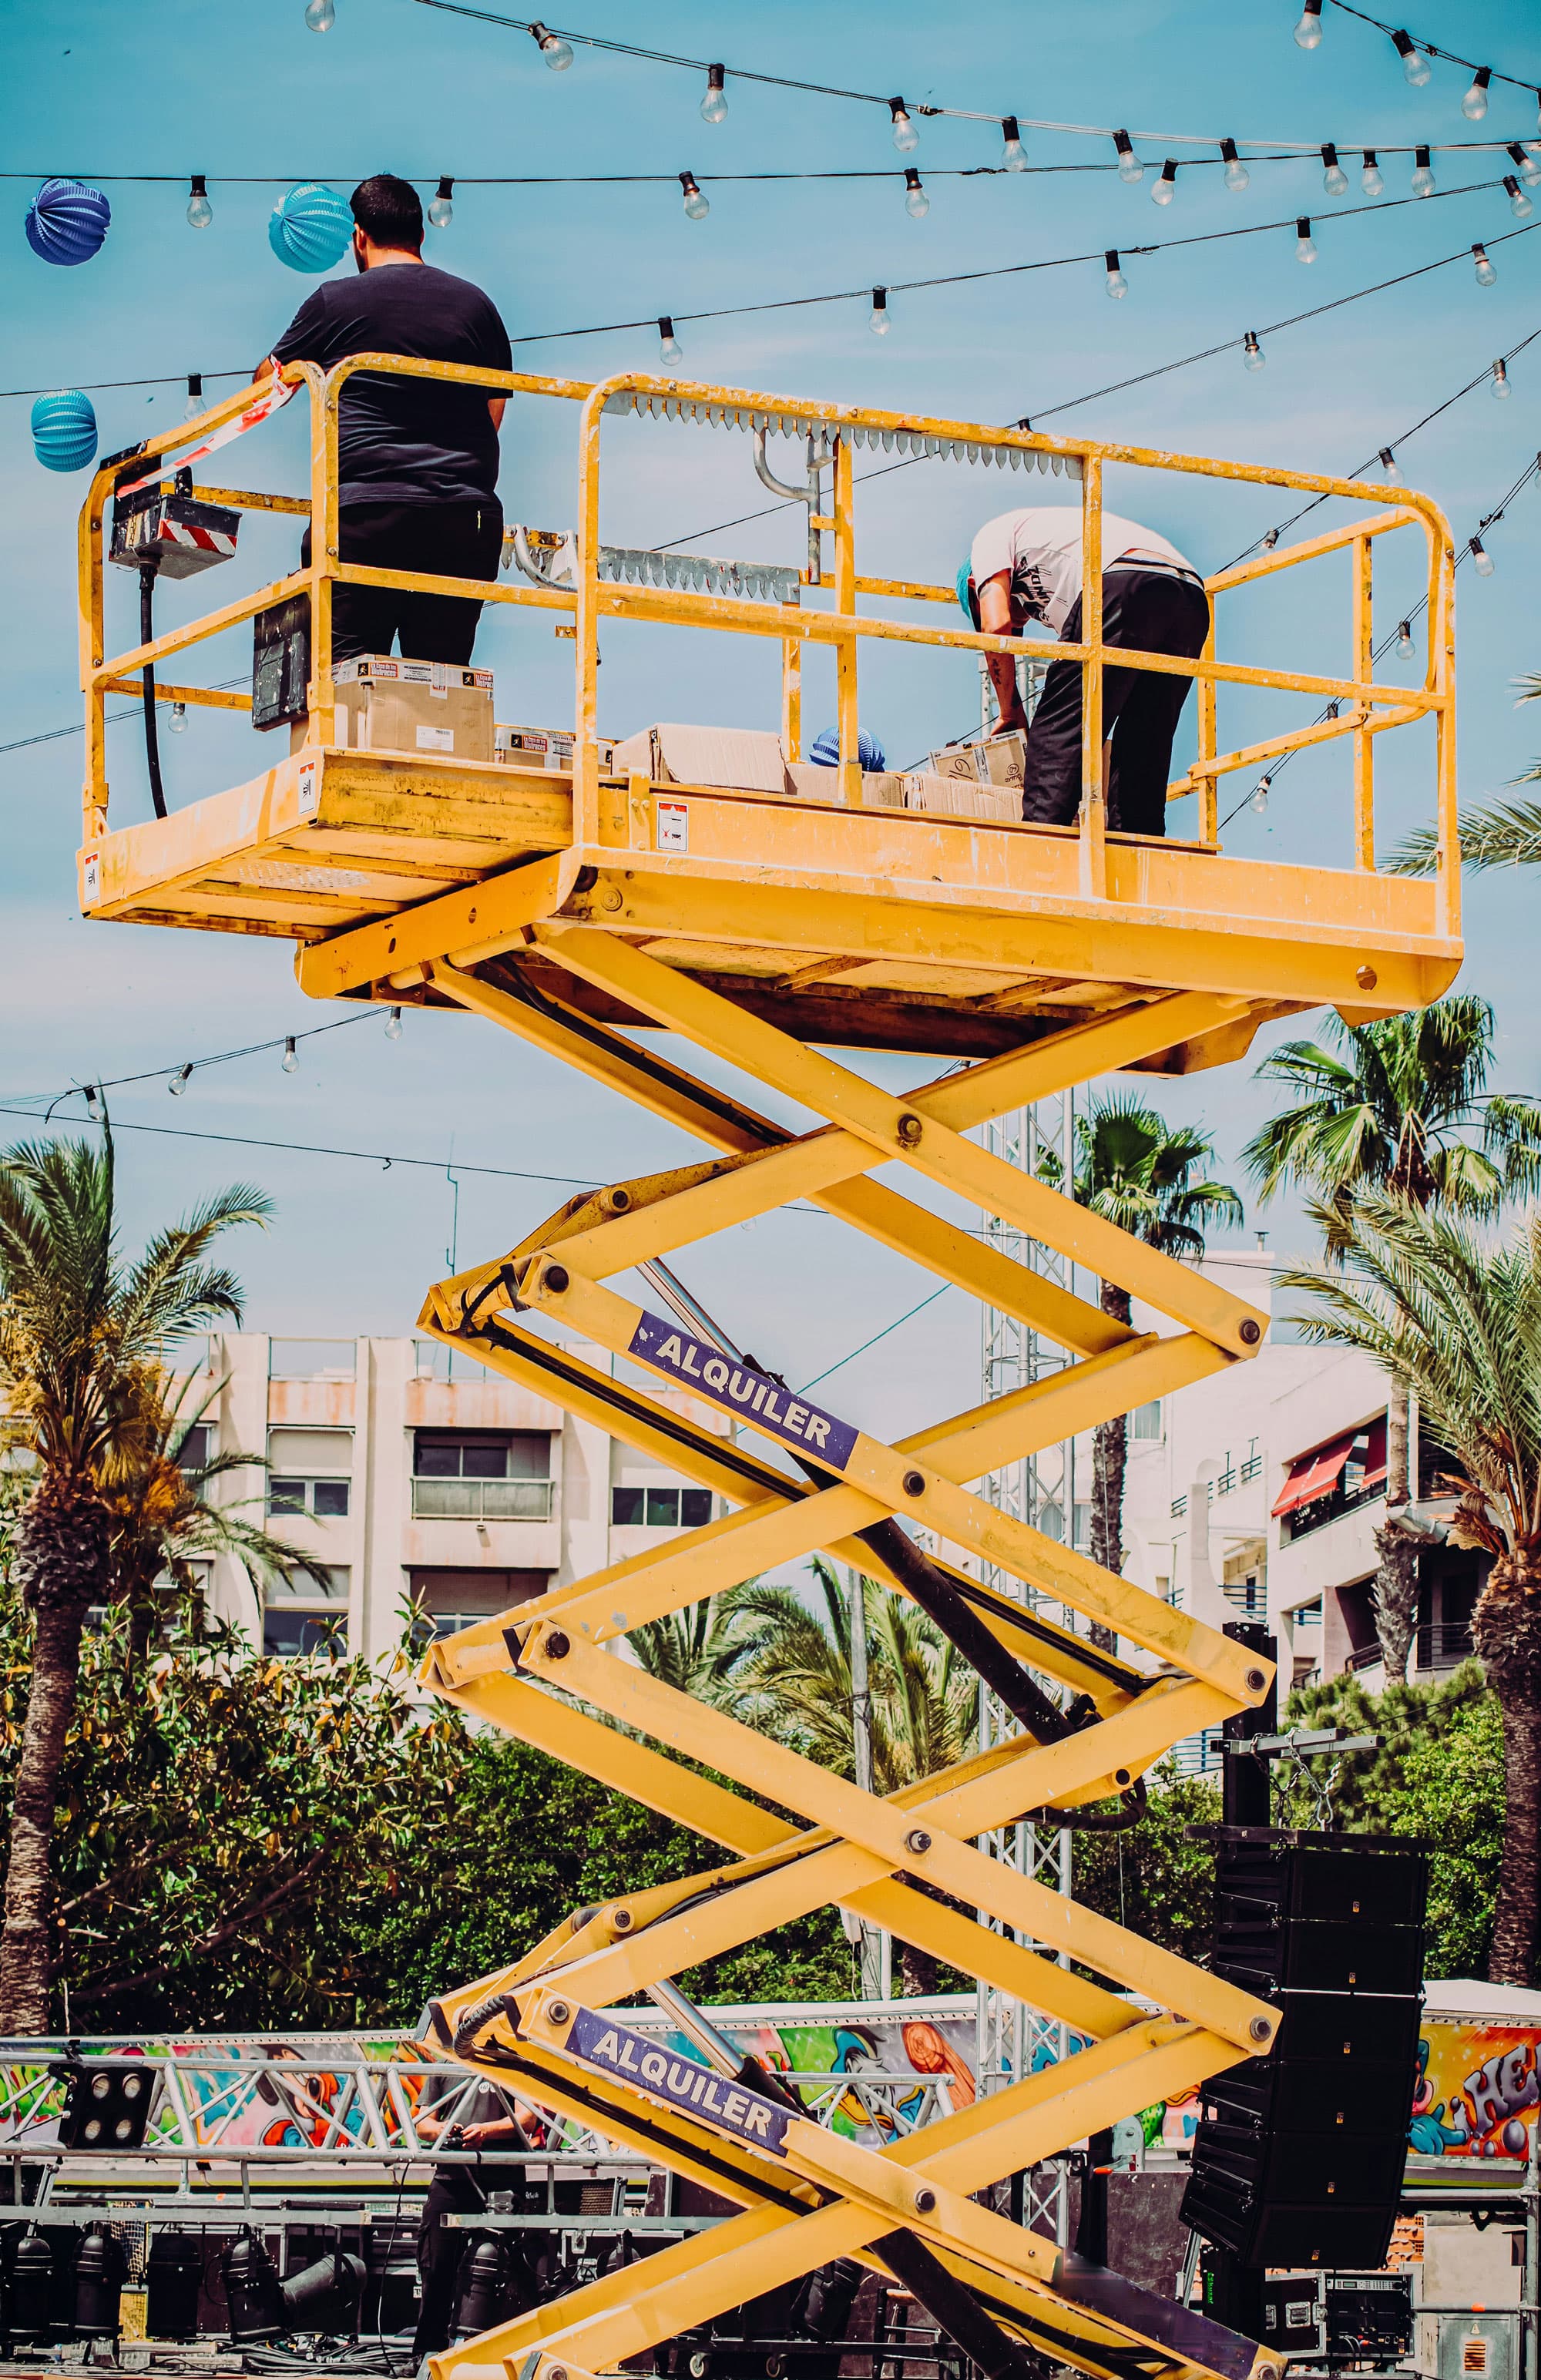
1333 1479
310 1470
448 1600
482 1474
197 1447
1145 1420
288 1632
660 1508
299 1586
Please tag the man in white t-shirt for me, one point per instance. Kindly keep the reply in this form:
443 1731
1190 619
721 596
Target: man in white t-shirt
1026 566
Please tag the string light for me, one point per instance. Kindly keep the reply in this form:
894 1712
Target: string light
916 201
1529 166
1270 539
1306 246
1014 156
1116 283
905 137
441 207
1414 66
714 106
1422 174
1308 33
697 205
320 16
290 1059
1474 107
1500 377
180 1081
1372 181
557 53
179 719
1260 793
879 321
393 1026
94 1107
200 215
1404 638
1487 271
1389 471
195 399
1236 175
1334 179
1251 354
1519 205
1129 166
1481 557
669 348
1165 187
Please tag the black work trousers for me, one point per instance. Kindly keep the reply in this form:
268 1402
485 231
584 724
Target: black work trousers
451 541
1156 613
452 2191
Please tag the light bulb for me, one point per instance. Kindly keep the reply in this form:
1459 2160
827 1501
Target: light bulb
290 1058
1404 639
1306 246
179 1081
1529 166
1372 181
916 201
1481 558
177 722
1308 33
557 53
195 403
1014 156
905 137
1519 205
1487 271
1474 107
714 106
1271 539
669 348
1251 354
1236 175
393 1026
441 212
878 320
1334 180
200 215
1414 66
1117 285
1129 166
696 206
1166 185
320 16
1500 378
1260 793
1389 471
1423 174
93 1103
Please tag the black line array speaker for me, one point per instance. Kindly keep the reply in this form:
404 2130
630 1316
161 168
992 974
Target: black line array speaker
1298 2157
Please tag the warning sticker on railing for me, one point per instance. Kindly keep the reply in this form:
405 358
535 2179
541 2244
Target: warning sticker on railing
261 409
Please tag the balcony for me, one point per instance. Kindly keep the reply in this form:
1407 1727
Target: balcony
482 1499
1443 1645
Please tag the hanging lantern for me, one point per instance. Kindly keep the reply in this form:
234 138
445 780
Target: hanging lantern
64 429
309 229
67 222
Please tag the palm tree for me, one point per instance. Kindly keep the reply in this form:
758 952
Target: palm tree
162 1520
1133 1167
81 1334
694 1650
1458 1320
1503 834
1390 1107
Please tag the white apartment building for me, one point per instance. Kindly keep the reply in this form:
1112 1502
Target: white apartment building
415 1476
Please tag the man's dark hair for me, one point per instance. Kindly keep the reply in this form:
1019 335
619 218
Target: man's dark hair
390 210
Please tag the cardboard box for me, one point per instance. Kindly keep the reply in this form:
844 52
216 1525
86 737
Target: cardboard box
543 747
999 760
388 705
740 760
945 796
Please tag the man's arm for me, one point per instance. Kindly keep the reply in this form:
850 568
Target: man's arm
995 620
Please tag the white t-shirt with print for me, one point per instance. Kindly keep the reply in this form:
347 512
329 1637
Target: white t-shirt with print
1040 546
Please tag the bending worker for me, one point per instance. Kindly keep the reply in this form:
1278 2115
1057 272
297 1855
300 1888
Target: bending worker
417 459
1027 567
487 2122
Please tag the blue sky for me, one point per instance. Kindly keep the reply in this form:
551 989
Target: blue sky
101 91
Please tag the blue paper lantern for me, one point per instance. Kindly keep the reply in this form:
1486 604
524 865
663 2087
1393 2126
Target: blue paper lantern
67 222
310 228
64 429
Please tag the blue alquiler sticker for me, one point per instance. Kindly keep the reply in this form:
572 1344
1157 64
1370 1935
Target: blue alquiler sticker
600 2041
744 1392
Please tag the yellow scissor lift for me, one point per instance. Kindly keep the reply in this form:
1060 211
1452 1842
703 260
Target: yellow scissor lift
769 930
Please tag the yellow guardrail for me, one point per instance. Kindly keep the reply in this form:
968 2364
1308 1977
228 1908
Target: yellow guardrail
1366 709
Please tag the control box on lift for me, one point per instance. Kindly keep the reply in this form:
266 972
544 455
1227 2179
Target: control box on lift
162 526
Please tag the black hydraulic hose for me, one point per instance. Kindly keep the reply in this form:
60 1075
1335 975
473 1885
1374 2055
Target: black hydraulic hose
954 2309
146 634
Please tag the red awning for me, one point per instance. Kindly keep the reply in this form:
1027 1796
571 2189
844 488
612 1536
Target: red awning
1313 1475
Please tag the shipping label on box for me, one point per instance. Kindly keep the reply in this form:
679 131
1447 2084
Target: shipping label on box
386 705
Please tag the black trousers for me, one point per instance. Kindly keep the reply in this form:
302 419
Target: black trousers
1155 614
452 2191
453 540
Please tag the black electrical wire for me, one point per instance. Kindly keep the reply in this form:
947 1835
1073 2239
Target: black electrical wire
147 680
1433 50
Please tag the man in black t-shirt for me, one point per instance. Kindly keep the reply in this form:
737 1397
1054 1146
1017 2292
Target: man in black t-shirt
417 459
